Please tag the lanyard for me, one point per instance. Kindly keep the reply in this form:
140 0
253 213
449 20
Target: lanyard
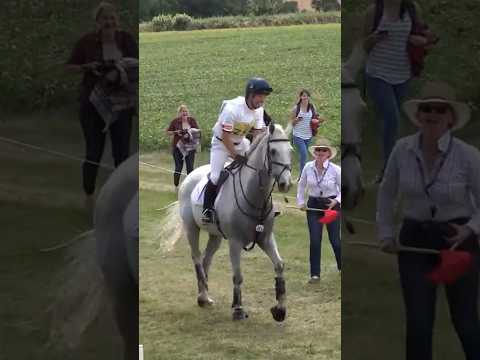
426 187
321 179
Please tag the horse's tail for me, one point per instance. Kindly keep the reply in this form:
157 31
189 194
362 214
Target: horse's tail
81 294
171 229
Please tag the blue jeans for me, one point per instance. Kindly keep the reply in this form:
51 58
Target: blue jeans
315 229
302 146
420 297
387 99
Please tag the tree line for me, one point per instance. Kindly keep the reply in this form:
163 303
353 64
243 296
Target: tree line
208 8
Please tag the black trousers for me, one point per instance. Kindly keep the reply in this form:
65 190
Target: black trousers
420 294
179 158
92 126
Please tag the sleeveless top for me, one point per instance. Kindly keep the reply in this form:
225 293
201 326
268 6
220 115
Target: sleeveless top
388 59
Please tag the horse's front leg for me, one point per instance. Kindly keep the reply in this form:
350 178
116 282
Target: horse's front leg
235 253
269 246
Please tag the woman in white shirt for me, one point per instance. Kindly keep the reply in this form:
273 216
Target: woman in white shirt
438 179
322 178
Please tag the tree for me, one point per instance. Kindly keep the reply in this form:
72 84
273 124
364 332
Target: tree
326 5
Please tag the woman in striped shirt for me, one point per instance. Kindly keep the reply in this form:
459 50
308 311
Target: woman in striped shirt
300 117
388 25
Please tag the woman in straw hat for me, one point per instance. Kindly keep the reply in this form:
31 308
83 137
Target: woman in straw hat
322 178
438 178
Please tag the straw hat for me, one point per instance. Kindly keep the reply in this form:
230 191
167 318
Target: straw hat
323 143
438 92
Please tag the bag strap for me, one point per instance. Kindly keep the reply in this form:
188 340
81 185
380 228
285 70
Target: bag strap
409 6
378 15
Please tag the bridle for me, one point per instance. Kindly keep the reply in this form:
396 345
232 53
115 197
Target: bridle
267 206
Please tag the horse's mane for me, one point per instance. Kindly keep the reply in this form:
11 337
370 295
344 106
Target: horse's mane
278 130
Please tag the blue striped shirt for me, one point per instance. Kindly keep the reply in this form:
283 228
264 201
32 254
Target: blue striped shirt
388 60
302 128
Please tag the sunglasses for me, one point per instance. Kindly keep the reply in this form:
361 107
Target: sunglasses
429 108
321 149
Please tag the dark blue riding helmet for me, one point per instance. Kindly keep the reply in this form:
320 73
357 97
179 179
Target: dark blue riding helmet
257 85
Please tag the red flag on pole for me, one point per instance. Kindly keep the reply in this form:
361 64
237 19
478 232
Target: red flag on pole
453 264
328 216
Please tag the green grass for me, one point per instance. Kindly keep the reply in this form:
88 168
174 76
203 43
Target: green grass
33 75
173 326
202 68
41 206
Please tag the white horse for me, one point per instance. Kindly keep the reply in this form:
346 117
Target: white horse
103 266
244 213
354 112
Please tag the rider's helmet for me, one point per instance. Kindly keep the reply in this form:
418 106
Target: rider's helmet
257 85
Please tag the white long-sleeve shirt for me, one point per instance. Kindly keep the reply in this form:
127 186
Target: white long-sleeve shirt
318 184
454 193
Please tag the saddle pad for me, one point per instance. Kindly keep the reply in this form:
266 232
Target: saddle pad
199 191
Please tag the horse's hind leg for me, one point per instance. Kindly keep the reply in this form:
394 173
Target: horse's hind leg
214 243
124 292
269 246
235 252
193 234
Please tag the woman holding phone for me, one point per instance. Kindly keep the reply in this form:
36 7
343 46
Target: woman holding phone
300 117
388 27
185 136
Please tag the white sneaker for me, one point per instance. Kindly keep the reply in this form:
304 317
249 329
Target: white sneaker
314 279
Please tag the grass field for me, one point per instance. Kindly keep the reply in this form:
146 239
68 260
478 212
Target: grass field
216 67
41 206
173 326
202 68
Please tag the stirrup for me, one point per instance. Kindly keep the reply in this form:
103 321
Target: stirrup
208 216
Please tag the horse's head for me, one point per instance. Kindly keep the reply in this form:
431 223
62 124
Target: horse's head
279 155
354 111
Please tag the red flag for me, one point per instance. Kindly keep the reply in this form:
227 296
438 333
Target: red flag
453 264
328 216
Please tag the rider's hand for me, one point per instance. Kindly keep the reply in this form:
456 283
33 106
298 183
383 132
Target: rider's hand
240 159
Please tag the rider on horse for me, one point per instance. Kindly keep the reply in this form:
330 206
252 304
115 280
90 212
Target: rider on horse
237 117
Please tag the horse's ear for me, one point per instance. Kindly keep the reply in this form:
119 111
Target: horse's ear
271 127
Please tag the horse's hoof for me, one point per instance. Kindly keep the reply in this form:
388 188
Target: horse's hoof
239 314
278 313
204 302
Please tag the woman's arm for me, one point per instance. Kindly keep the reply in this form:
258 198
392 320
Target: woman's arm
193 123
82 68
171 130
293 117
338 181
386 198
302 184
474 183
371 38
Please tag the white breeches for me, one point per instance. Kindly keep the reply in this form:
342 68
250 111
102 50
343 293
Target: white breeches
219 155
